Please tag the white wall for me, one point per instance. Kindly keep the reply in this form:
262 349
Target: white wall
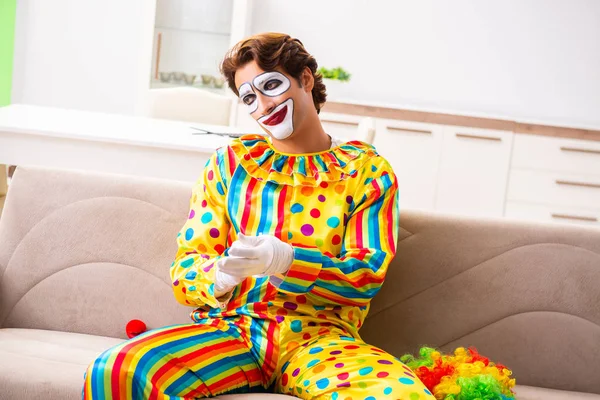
92 55
532 60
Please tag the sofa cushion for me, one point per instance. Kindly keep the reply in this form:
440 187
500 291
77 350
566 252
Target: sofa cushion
107 244
535 393
46 364
50 365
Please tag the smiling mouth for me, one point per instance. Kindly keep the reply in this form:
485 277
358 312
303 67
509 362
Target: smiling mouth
277 117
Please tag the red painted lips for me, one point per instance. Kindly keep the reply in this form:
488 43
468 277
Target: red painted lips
277 117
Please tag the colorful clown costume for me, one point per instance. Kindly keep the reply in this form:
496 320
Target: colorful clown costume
296 333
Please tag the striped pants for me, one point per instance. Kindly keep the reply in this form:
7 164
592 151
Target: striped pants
197 361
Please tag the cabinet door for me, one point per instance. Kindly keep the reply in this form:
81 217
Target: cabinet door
554 188
342 126
557 214
542 153
474 171
413 150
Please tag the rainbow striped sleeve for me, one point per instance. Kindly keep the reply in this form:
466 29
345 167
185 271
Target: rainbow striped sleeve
203 238
369 244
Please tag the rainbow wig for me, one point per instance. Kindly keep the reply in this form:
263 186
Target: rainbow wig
466 375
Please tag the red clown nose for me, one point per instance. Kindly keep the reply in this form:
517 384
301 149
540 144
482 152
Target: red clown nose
134 328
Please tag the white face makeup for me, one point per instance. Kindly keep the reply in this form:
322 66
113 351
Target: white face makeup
272 84
280 122
248 97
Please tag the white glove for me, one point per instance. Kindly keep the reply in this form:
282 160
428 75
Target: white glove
224 282
257 255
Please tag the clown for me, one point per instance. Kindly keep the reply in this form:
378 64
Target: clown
288 238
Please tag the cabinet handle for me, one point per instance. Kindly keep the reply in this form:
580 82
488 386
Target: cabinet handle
575 217
395 128
582 184
340 122
576 150
466 136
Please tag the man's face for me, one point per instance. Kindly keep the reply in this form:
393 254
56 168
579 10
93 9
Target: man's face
270 98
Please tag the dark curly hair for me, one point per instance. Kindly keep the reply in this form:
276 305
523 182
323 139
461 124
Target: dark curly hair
271 50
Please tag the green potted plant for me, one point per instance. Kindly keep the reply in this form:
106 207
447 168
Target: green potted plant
337 73
336 81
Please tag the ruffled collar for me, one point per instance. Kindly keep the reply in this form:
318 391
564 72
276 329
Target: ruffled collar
258 157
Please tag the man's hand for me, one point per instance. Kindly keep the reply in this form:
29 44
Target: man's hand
257 255
224 282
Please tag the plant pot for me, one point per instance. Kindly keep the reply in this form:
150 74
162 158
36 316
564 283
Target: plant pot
337 90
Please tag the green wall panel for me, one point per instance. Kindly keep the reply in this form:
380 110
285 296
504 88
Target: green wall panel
8 11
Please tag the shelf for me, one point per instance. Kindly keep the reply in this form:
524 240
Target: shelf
157 84
163 28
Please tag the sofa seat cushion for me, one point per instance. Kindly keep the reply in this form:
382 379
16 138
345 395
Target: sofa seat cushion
45 364
51 364
536 393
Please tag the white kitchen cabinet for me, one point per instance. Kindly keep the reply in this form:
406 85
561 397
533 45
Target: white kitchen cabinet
342 126
554 179
543 153
473 171
413 149
554 188
557 214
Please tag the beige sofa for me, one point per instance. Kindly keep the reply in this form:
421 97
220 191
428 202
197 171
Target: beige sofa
81 254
